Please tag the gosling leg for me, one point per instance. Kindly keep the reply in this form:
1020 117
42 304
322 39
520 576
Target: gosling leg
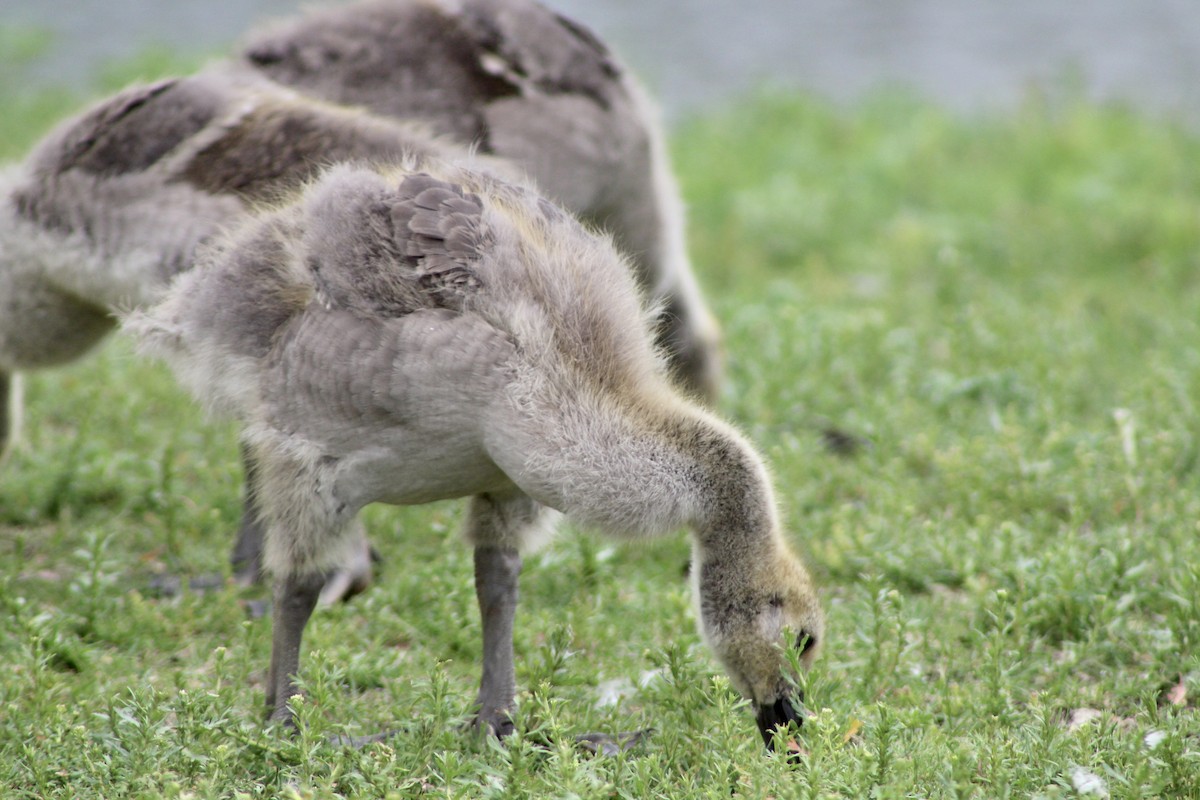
10 412
246 558
694 361
295 598
497 570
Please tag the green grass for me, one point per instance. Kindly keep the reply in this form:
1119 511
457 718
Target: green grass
1001 311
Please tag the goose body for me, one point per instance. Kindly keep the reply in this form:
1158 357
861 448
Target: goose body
427 333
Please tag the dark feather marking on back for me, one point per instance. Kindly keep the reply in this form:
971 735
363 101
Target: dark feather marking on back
418 60
441 227
557 54
127 134
588 38
405 61
138 128
401 250
275 149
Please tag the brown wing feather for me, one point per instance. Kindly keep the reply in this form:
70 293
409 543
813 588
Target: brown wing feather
441 227
401 249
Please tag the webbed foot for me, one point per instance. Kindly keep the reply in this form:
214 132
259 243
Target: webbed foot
498 724
602 744
356 742
352 577
169 585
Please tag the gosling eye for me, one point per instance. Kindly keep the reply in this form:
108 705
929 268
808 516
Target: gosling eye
776 601
805 641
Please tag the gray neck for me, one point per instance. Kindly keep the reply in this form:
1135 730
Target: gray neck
735 516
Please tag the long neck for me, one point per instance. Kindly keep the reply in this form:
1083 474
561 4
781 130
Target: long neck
665 466
735 517
642 464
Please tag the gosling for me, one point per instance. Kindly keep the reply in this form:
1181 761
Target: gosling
429 333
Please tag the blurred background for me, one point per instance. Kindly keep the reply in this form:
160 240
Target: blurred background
965 54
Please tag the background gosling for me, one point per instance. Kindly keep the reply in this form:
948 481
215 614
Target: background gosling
432 333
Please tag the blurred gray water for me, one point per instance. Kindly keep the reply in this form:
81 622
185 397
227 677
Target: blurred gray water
967 54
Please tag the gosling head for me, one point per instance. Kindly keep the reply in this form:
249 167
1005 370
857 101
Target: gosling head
751 615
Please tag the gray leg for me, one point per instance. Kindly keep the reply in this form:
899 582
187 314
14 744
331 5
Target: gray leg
247 550
694 362
496 526
295 599
496 572
10 390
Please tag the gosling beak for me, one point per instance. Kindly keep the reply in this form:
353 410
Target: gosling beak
776 715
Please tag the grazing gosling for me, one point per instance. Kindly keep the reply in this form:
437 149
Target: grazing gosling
521 82
422 334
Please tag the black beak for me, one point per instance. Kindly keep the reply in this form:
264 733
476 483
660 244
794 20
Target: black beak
777 715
